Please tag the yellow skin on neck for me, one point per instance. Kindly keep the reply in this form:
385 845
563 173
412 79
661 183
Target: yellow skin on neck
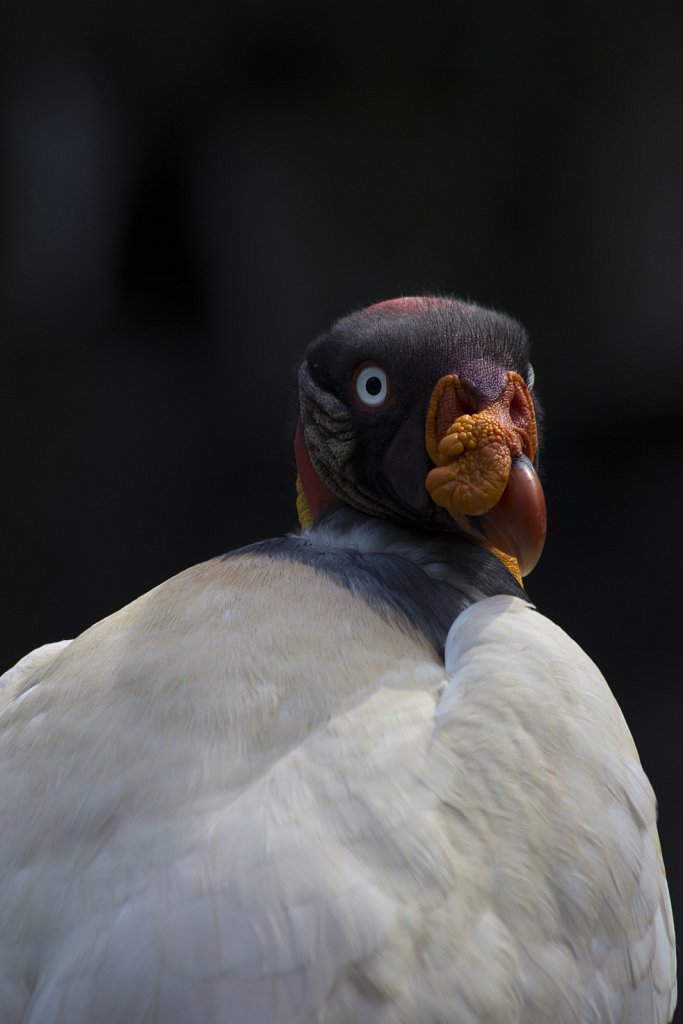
302 508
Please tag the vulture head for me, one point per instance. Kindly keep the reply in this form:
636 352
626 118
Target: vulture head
421 411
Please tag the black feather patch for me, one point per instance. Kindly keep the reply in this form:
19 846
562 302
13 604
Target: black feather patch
423 581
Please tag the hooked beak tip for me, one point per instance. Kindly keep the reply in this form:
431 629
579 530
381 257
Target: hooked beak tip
517 524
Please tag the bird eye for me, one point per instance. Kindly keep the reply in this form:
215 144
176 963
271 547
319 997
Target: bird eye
372 385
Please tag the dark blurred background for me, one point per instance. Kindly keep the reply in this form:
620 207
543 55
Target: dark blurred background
189 194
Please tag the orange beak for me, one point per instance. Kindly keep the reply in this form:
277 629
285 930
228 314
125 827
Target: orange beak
483 473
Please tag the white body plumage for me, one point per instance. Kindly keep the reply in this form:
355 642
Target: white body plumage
248 797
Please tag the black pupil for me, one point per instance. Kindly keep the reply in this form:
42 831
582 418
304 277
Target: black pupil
373 385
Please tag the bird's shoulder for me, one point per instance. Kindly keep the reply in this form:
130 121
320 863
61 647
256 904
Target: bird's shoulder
254 647
538 769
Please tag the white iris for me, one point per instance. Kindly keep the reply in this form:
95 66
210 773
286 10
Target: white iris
372 385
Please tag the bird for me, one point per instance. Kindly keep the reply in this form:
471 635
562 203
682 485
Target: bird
350 775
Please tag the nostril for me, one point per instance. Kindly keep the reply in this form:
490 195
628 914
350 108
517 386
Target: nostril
450 400
456 400
519 411
467 401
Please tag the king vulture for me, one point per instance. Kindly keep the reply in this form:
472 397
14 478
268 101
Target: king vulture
350 776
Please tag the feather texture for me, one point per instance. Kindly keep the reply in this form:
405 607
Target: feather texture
249 797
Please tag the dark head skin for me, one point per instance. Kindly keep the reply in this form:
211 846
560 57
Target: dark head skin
374 458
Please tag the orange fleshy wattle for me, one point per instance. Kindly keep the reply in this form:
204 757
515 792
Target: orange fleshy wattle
473 452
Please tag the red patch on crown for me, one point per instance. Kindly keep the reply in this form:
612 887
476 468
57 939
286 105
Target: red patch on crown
409 304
